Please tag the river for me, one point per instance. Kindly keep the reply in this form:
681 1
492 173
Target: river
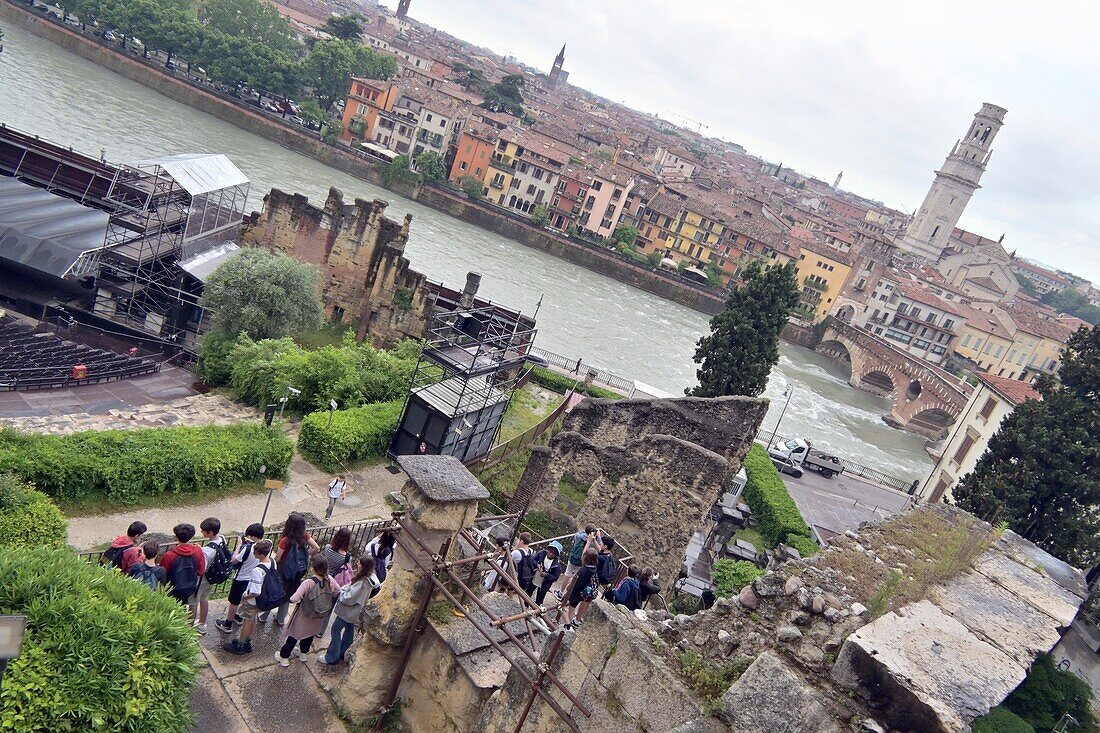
50 92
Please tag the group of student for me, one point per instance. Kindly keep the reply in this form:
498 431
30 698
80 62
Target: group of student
323 584
589 572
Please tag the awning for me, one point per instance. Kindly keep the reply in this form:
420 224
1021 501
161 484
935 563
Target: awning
45 231
202 265
200 173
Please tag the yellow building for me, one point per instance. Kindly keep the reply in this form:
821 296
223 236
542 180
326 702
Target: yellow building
1012 340
822 272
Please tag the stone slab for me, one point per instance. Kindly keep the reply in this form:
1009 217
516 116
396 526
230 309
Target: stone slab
1027 553
934 674
1037 588
212 707
1000 618
283 699
461 636
442 478
771 697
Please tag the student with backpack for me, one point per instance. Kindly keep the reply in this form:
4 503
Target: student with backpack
586 588
629 590
316 596
218 569
607 567
184 564
581 540
244 560
349 605
147 571
547 571
125 544
338 553
524 560
292 560
490 581
263 593
381 549
337 489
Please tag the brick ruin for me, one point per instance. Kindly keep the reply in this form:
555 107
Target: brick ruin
366 280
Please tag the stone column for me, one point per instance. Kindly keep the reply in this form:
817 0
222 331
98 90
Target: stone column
441 497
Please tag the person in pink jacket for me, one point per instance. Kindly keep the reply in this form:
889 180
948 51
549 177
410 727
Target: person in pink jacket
315 597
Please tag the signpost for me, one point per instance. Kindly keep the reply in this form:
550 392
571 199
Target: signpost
271 484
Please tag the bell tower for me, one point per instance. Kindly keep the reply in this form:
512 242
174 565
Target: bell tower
956 181
403 8
556 73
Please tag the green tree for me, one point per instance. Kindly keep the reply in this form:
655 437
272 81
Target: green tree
345 27
654 258
1027 285
329 67
398 170
540 217
254 20
714 275
264 295
1048 693
1073 302
738 354
471 78
472 187
431 166
1041 471
626 235
506 96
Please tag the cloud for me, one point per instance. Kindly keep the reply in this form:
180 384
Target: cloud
880 90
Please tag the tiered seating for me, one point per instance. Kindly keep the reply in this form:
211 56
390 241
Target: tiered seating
30 360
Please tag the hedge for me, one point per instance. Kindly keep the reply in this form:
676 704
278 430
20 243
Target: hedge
27 517
1001 720
771 504
102 652
123 465
806 546
355 435
730 576
561 383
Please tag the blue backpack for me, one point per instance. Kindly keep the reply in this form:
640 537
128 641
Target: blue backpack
294 565
629 594
272 593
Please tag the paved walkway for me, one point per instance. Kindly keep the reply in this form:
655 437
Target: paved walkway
253 694
169 384
306 491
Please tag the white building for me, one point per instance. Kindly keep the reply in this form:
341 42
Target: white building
994 399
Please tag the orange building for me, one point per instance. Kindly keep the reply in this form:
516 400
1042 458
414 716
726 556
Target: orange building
366 99
473 153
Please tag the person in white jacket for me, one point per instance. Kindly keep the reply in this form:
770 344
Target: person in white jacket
349 606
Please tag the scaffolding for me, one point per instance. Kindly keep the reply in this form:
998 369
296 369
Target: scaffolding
463 381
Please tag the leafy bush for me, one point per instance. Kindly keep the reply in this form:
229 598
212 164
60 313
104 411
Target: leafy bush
28 517
123 465
711 681
355 435
1001 720
562 384
102 652
1047 693
352 374
730 576
771 504
806 546
215 366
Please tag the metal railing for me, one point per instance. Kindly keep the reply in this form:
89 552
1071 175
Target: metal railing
574 366
503 450
361 534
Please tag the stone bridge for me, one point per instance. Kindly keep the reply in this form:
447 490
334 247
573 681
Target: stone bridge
927 399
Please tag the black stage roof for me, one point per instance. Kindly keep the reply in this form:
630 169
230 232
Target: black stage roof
44 231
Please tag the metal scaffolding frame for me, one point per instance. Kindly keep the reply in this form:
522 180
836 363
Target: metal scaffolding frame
444 576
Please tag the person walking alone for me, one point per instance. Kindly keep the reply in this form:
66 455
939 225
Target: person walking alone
337 489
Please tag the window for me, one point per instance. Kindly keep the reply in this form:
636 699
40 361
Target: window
477 172
462 166
948 323
997 354
978 345
428 118
597 185
914 313
988 347
531 190
468 148
362 109
964 448
930 318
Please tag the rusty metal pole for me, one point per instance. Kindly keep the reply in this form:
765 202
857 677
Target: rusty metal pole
541 679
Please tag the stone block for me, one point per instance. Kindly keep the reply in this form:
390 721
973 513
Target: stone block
771 697
926 670
1024 573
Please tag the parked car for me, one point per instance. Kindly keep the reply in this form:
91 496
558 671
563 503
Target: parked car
170 65
296 120
110 36
786 466
801 452
269 106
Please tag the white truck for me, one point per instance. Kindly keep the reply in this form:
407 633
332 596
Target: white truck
801 453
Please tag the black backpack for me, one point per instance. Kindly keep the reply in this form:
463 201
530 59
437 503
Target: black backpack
147 575
591 589
294 564
113 556
185 576
220 566
526 568
272 593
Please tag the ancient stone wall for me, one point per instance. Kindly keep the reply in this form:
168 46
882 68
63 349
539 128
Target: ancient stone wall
651 469
365 279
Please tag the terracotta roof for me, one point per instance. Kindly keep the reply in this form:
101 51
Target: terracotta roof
921 294
983 321
986 284
1012 390
826 250
1033 320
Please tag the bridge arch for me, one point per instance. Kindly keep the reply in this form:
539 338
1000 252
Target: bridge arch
845 313
878 380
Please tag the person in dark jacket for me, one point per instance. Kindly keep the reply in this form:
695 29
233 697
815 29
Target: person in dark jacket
628 591
649 583
547 571
586 588
606 566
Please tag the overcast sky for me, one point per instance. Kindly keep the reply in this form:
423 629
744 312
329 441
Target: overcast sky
877 92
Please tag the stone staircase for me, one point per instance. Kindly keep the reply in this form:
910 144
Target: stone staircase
208 409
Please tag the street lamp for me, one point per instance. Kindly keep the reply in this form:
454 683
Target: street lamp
786 393
283 400
12 629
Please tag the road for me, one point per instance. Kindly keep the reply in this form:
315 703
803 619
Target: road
842 502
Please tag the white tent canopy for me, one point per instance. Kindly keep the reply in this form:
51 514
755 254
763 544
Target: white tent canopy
200 173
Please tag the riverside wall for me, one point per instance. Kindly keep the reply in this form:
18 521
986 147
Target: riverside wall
194 95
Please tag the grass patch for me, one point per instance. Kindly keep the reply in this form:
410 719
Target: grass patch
928 549
751 534
574 491
502 478
441 612
528 406
711 681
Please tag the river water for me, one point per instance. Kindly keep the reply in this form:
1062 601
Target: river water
50 92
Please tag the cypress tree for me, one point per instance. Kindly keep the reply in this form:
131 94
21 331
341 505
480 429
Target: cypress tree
738 354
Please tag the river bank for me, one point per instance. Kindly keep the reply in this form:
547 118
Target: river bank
292 137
